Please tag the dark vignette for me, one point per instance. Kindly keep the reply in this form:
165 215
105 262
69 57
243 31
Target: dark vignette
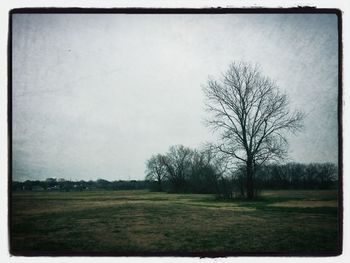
218 10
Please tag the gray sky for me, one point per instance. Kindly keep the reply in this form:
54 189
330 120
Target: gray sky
95 95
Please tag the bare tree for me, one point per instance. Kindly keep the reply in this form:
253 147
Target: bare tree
156 170
178 165
252 116
328 174
205 171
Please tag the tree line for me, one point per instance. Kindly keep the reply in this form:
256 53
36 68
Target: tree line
186 170
54 184
183 169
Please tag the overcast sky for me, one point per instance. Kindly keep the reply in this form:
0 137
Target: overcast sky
95 95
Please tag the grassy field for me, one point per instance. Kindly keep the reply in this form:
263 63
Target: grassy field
128 222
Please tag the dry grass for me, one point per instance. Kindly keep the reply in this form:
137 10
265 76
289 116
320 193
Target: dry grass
141 221
302 194
306 204
58 202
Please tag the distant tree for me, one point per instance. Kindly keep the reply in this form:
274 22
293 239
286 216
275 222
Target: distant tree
156 170
298 175
204 171
251 115
103 184
311 175
327 175
295 174
178 166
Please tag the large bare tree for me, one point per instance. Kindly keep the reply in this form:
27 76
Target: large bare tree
252 116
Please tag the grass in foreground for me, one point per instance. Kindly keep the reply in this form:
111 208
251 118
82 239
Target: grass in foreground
142 221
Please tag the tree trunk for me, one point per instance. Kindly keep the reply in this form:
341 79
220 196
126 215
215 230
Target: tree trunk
250 183
159 185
